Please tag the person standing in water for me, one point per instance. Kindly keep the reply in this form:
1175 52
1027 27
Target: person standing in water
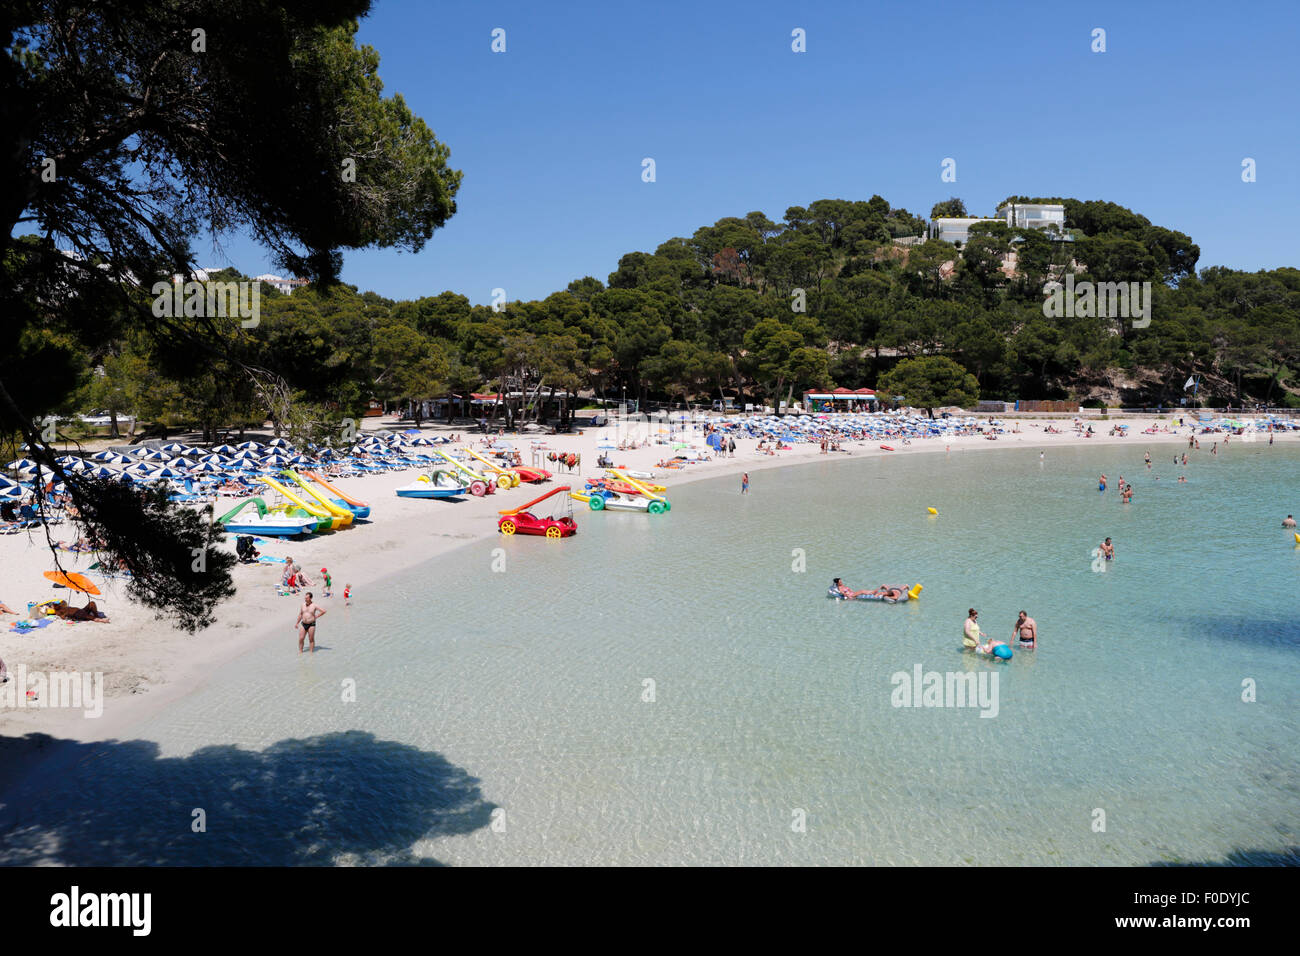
1101 483
971 633
1108 550
744 483
1288 522
1147 456
308 614
1025 630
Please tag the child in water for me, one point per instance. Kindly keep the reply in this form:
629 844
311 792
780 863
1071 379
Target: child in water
347 594
328 581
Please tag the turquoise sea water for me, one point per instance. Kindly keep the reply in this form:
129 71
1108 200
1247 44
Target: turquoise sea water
504 716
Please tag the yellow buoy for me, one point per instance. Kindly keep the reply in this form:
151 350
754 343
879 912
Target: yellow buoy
1297 538
935 511
915 591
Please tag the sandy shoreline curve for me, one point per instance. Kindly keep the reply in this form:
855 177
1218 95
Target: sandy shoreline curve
147 665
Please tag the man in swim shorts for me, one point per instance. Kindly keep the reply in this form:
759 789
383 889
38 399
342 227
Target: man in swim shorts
887 592
1108 550
308 614
1025 630
1288 522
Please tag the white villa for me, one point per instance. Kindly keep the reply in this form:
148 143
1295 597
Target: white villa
281 284
278 283
1046 216
1049 217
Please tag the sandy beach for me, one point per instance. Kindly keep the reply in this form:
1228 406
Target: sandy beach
146 664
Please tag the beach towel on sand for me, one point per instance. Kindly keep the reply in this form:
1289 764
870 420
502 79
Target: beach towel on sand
25 626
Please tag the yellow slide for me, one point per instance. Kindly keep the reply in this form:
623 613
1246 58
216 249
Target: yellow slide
325 503
645 490
505 478
336 521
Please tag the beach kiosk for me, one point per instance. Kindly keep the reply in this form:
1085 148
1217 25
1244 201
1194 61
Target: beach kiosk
841 400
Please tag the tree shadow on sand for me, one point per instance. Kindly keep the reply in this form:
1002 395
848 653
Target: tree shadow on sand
340 797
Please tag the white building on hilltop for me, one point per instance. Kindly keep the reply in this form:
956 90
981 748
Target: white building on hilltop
1047 217
956 231
281 284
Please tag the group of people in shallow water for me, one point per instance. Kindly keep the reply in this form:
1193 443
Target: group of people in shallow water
1024 632
1125 489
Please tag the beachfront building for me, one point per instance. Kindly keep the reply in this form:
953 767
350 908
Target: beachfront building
840 400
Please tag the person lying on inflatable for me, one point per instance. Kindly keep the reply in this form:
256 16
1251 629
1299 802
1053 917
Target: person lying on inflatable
845 590
884 591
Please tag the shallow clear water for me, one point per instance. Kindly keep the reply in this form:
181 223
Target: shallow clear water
500 716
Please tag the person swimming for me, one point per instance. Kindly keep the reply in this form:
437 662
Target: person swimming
1288 522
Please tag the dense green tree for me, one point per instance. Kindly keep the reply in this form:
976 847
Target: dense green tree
952 208
930 381
125 133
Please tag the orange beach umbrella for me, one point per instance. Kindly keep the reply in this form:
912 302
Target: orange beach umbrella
73 581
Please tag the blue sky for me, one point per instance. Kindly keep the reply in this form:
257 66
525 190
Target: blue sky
551 134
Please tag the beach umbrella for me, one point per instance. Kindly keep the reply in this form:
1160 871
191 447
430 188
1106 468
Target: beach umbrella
250 444
206 468
16 493
224 449
73 464
112 458
72 581
99 471
176 448
22 464
279 443
167 471
301 460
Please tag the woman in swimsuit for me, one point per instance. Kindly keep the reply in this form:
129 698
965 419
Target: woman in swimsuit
845 590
